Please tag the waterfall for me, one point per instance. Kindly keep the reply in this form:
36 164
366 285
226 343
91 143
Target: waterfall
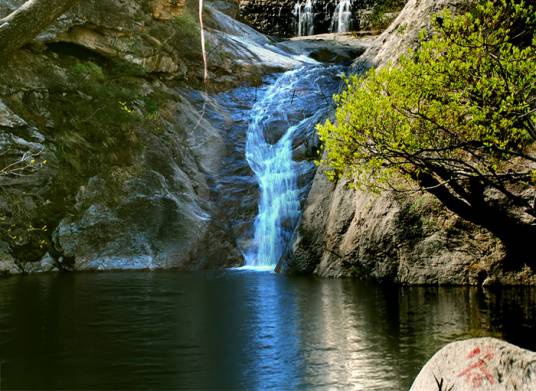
289 108
274 168
297 12
304 18
340 22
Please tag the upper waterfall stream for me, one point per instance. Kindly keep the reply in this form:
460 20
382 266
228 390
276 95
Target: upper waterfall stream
342 17
309 16
304 17
281 123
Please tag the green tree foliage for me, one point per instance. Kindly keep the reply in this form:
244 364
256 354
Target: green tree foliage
456 116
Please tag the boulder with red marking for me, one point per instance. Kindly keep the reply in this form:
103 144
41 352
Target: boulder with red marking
480 364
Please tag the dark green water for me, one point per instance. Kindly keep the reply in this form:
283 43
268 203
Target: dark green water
238 330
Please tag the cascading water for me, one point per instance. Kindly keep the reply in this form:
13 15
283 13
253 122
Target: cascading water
342 17
304 18
288 109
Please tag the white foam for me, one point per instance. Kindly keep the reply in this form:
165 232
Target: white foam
253 268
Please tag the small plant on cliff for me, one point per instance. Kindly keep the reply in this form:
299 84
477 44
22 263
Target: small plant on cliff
187 31
456 117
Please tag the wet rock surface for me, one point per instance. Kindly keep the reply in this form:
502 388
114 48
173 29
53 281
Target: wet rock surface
336 48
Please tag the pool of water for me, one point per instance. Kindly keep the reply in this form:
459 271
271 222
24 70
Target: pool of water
237 330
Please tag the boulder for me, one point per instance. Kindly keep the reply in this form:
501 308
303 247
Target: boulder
484 364
408 239
8 119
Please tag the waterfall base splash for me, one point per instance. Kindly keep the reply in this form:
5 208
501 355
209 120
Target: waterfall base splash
248 268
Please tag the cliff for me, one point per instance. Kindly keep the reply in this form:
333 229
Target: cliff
404 238
122 148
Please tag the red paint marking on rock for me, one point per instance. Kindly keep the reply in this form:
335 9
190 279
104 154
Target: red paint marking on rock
476 372
474 352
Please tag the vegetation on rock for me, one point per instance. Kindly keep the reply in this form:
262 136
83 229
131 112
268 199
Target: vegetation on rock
456 117
380 19
96 110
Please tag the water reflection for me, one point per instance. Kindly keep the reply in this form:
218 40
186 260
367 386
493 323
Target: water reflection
239 330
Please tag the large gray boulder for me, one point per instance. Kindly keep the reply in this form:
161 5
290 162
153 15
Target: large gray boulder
484 364
408 239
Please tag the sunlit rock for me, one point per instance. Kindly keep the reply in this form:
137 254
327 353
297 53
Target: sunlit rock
8 118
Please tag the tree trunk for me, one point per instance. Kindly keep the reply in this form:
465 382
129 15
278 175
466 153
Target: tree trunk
21 26
517 236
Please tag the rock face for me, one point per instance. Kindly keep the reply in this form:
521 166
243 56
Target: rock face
338 48
120 157
403 32
409 239
479 364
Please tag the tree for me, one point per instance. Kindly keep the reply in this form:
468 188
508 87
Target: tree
456 117
21 26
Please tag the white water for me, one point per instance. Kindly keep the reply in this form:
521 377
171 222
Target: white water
246 268
340 22
294 99
305 17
